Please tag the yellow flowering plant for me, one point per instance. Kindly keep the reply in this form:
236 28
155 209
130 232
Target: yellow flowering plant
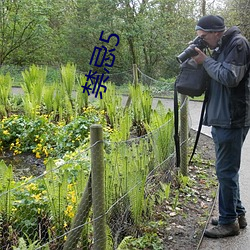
30 205
44 137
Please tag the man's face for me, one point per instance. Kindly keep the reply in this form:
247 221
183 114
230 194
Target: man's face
211 38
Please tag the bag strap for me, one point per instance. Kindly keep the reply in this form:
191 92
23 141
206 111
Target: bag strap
199 127
176 126
176 122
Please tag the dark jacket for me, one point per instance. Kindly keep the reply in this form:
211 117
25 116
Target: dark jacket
228 103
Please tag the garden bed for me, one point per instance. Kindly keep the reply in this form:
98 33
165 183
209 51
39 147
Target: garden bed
180 216
150 204
185 226
25 164
178 221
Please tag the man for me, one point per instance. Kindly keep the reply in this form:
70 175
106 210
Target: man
228 112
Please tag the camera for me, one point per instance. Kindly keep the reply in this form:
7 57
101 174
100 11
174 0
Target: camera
190 51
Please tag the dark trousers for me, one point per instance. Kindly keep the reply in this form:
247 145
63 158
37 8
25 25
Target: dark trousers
228 145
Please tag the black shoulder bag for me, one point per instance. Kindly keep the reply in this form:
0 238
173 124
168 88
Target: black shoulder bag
191 81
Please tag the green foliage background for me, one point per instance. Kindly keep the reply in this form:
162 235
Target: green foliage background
152 32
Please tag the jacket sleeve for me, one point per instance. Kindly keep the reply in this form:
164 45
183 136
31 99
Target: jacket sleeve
234 66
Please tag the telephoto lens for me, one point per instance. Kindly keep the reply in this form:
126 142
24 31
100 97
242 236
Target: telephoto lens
190 50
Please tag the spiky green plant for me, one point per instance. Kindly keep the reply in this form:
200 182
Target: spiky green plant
68 74
164 192
113 108
29 245
136 179
126 171
5 89
161 129
33 86
56 185
6 184
135 93
58 102
141 103
48 98
82 99
122 130
146 101
62 101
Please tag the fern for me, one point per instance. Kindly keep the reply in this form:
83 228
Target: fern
6 184
114 107
58 102
48 98
141 103
161 126
81 100
68 74
33 86
125 242
137 179
29 245
56 185
5 90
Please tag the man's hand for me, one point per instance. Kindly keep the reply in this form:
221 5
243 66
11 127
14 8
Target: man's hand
200 58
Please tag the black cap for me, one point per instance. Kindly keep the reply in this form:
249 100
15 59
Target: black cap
210 23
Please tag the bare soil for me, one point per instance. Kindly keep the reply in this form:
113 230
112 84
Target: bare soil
186 223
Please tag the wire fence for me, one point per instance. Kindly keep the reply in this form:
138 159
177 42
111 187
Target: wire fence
44 207
165 87
54 75
55 210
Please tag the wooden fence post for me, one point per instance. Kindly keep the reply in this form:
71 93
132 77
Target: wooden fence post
135 81
135 74
80 218
184 135
98 185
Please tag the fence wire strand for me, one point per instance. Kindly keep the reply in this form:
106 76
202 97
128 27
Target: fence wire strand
133 173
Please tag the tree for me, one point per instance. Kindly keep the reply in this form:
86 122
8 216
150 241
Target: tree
152 32
237 13
21 21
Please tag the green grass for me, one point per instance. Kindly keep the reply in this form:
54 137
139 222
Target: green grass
53 73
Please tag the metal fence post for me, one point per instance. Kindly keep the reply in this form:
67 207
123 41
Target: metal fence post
98 195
